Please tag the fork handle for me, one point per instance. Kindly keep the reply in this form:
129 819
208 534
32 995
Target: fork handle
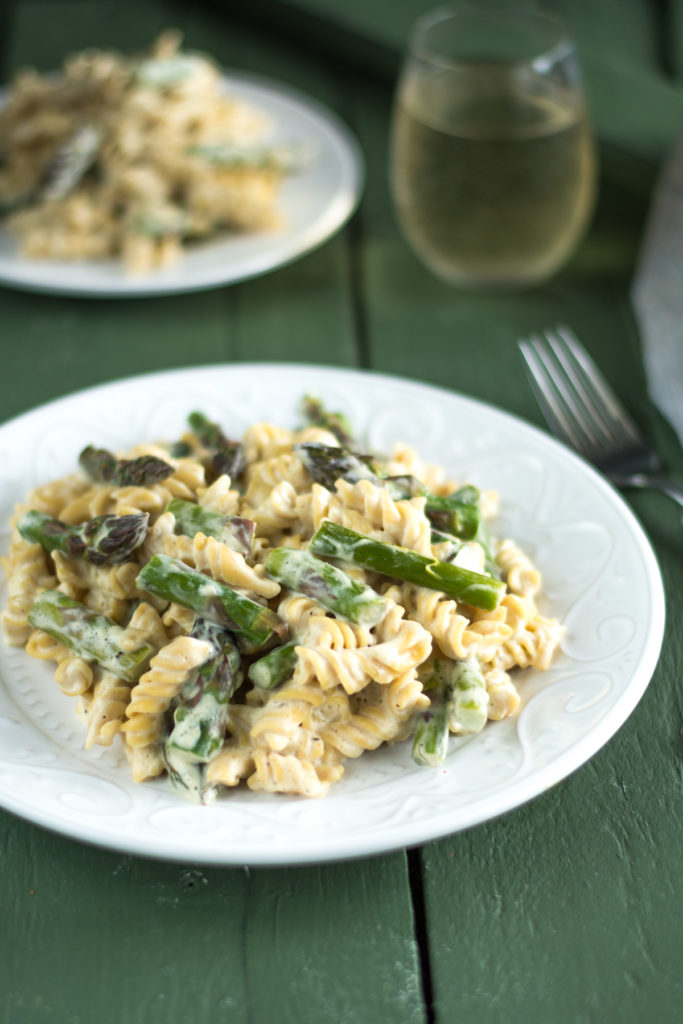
659 483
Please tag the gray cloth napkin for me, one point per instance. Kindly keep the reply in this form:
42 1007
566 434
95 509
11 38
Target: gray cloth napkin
657 293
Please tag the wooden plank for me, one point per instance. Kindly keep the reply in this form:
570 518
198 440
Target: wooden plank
333 943
556 913
92 935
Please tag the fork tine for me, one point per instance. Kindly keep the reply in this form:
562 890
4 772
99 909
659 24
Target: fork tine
572 382
607 413
544 387
581 416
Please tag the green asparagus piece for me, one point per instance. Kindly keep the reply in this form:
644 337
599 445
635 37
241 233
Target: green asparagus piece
159 222
73 159
456 513
326 464
316 415
458 517
273 668
103 539
180 450
285 159
90 635
227 457
254 624
200 719
334 541
430 740
191 518
332 588
187 776
468 699
166 72
100 465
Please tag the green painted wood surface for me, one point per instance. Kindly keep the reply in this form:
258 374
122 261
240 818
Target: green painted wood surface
567 910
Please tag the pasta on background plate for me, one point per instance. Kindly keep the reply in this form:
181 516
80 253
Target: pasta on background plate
261 610
134 157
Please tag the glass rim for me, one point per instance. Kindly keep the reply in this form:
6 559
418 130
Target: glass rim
541 61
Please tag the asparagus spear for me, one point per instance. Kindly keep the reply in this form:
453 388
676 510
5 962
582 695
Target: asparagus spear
468 699
331 587
456 513
430 741
73 158
103 539
180 450
64 171
166 72
191 518
326 464
334 541
315 414
159 221
273 668
91 635
226 456
101 465
170 579
459 702
200 719
187 776
285 159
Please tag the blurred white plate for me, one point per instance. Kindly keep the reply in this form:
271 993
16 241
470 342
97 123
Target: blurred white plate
314 203
600 577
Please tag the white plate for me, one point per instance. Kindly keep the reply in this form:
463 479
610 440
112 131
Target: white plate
314 203
600 577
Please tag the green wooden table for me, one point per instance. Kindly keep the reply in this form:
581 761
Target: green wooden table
566 910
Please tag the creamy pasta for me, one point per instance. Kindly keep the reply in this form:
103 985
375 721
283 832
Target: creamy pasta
134 157
260 611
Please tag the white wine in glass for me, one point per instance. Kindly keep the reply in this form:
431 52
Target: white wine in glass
493 164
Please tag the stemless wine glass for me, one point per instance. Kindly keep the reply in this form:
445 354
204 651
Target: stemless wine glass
492 165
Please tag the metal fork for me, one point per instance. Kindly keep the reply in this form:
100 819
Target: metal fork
583 411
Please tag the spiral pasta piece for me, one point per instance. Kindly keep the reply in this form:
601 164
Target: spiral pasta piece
520 573
73 675
233 763
150 698
220 496
28 573
375 720
277 511
263 477
407 647
106 711
210 556
278 773
280 720
398 522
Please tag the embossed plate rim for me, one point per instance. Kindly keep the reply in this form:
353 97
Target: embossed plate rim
418 805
